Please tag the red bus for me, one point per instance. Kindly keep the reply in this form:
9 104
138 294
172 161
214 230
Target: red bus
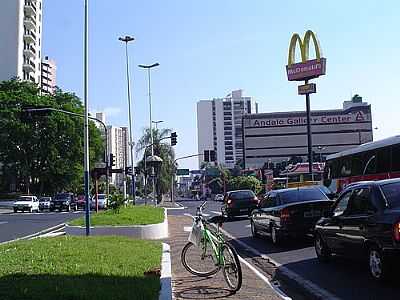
370 161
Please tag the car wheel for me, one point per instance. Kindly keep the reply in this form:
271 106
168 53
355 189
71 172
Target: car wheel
15 210
274 235
321 249
254 231
377 264
69 208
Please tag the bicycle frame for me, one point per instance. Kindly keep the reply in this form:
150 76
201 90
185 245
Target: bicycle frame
216 241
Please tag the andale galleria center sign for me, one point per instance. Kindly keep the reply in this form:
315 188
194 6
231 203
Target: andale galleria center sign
356 117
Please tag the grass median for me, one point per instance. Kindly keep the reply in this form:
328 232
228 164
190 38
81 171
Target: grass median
80 268
131 215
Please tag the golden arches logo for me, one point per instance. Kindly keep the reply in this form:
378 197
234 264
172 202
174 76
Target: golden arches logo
304 47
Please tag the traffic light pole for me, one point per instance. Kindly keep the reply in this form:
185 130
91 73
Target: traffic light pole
91 118
174 171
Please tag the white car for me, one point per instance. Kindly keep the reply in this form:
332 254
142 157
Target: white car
219 197
26 203
101 201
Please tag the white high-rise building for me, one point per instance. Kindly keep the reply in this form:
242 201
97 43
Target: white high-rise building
117 140
21 39
219 126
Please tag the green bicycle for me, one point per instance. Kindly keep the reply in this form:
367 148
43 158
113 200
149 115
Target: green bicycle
207 252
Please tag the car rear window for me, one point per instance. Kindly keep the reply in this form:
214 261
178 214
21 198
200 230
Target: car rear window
62 196
242 195
302 195
392 193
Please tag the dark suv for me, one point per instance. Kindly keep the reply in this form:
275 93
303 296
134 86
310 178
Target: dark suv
240 202
365 220
64 201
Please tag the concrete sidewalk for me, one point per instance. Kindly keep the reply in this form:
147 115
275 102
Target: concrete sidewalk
188 286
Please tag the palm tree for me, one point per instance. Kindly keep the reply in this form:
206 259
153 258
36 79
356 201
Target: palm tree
161 149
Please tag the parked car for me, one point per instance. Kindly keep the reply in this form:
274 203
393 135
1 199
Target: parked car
44 203
365 220
101 201
64 201
240 202
219 197
81 202
26 203
289 212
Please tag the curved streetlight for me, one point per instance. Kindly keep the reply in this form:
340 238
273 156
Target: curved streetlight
126 40
148 67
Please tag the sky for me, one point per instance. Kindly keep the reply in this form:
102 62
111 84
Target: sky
208 48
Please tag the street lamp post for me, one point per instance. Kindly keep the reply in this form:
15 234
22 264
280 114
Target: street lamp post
86 115
148 67
157 122
126 40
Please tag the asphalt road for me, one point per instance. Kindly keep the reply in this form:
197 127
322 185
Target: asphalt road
17 225
344 278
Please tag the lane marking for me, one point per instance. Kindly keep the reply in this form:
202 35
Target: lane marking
275 288
307 284
1 223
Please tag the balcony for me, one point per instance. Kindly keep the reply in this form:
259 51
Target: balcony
29 66
30 8
30 36
29 51
30 23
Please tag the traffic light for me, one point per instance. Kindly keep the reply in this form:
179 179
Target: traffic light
173 138
112 160
213 155
207 155
137 171
128 170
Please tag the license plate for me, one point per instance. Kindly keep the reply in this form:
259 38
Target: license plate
312 213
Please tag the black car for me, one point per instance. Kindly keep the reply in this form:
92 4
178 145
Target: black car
63 201
289 212
240 202
364 221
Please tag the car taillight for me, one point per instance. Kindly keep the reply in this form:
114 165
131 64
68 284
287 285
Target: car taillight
229 202
396 231
255 200
285 215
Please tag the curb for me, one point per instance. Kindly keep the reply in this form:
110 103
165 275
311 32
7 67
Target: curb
166 277
34 235
310 289
147 232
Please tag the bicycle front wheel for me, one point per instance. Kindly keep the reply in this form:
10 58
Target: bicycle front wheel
231 269
197 261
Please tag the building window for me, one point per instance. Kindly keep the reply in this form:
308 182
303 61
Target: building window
228 158
228 143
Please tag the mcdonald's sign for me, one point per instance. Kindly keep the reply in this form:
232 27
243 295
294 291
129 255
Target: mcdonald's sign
306 69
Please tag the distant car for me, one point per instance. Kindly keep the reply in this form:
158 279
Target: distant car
44 203
81 202
63 201
219 197
101 201
289 212
26 203
238 203
363 222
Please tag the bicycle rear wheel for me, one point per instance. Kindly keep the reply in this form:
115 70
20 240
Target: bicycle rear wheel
231 269
198 262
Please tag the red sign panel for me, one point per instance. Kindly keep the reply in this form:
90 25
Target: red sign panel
310 69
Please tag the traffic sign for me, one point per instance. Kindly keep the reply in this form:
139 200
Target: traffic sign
305 89
182 172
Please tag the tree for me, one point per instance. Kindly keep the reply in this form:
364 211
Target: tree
161 149
42 153
245 183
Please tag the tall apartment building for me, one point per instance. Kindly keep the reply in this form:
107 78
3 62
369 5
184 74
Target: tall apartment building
21 39
219 126
49 72
117 140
